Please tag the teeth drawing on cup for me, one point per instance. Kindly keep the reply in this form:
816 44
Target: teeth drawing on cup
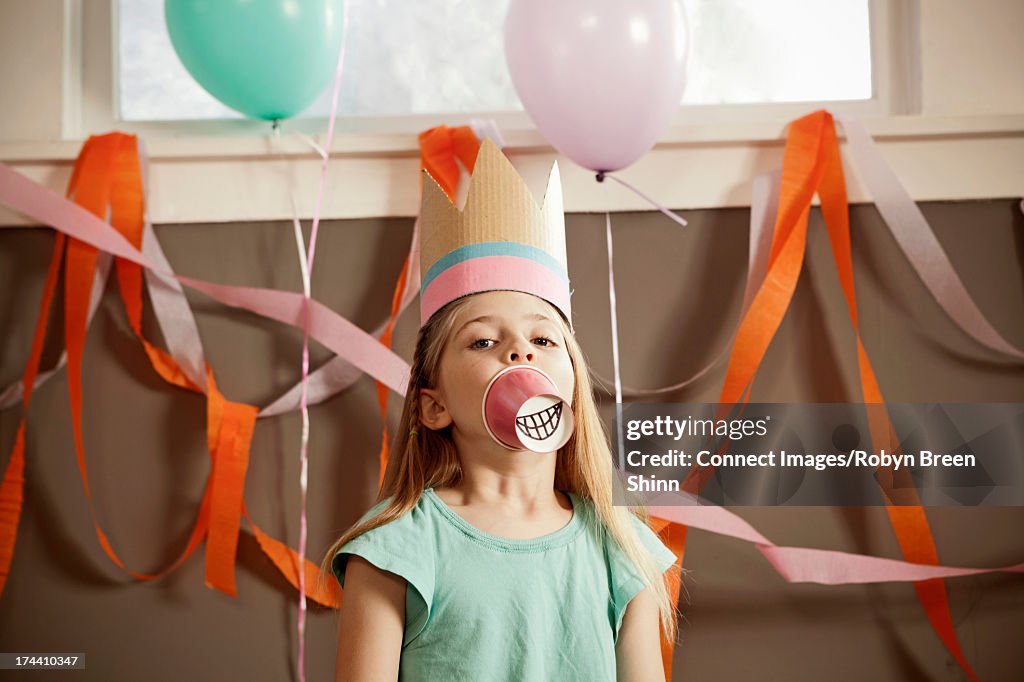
541 425
523 410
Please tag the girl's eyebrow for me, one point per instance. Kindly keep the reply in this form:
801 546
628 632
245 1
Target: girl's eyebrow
491 318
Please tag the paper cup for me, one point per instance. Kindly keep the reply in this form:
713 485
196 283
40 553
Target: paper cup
523 410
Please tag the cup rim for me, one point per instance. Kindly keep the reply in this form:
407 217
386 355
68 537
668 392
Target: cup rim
487 392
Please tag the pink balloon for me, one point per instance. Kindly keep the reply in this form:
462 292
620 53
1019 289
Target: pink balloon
601 79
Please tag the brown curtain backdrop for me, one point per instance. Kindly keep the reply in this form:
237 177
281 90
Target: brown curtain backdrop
679 294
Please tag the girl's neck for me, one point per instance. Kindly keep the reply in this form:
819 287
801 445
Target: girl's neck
510 516
527 500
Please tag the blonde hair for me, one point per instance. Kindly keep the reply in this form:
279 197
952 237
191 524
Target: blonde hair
583 464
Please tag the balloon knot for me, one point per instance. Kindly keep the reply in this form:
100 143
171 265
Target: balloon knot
600 176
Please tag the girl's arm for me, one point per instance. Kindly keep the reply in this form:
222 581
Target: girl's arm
372 623
638 651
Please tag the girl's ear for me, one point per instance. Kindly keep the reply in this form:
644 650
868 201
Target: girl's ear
433 414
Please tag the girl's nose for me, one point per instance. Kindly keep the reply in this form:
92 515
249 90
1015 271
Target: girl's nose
515 356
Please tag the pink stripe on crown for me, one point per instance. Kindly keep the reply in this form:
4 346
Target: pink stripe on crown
490 273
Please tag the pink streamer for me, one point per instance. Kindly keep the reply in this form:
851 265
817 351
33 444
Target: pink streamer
917 240
170 306
326 326
800 564
338 373
175 319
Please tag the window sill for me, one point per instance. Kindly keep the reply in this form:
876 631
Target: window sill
238 177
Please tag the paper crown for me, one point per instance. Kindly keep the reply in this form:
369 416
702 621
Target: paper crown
501 240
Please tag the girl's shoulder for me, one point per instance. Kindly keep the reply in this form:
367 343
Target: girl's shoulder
414 517
400 545
403 546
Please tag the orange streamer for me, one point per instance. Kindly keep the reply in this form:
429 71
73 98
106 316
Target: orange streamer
674 536
439 148
107 176
12 488
94 192
230 461
812 164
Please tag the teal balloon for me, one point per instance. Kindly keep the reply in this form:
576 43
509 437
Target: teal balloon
268 59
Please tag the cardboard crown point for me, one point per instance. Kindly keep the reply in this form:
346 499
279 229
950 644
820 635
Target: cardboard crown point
501 239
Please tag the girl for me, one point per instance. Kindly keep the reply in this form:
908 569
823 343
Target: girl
483 562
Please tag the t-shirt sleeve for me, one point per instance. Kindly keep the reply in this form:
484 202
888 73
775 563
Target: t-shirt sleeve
403 547
626 582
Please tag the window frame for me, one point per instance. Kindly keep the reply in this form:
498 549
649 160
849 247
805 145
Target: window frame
91 101
229 171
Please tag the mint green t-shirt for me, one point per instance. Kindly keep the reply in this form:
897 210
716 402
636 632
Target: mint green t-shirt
485 608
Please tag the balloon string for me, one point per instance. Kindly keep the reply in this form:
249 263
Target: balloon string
601 176
763 207
312 143
615 343
303 408
300 241
307 268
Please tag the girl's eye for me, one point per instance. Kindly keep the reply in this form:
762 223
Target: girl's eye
486 343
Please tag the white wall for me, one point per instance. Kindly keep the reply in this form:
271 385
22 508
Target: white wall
966 141
972 57
31 69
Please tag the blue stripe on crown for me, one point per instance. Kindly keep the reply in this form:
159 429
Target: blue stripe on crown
482 249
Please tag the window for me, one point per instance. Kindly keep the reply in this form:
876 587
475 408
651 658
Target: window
447 56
